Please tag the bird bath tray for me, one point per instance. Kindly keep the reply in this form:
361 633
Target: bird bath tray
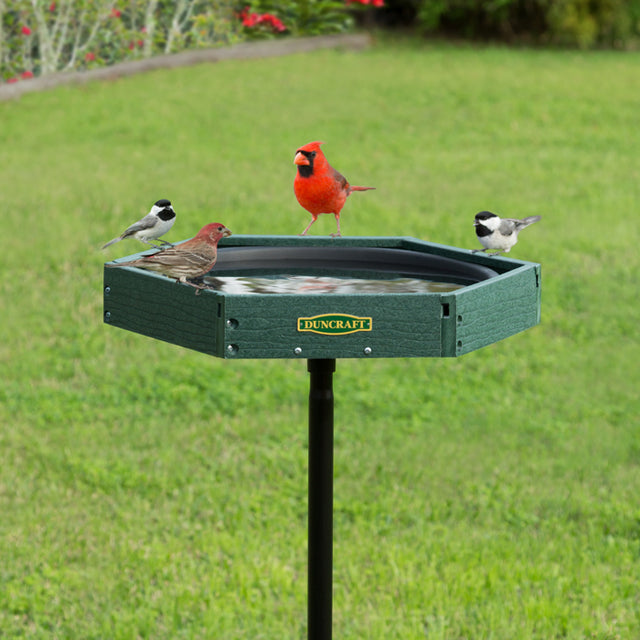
320 297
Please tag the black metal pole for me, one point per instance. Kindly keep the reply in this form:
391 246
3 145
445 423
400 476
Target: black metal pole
320 551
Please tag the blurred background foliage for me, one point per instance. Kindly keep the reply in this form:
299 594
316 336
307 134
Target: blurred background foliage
37 38
576 23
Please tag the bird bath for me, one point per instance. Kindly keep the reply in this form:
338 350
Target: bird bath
319 299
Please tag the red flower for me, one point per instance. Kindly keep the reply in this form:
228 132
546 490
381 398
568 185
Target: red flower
25 75
26 31
132 45
52 7
140 44
90 56
254 19
248 19
12 80
276 23
116 13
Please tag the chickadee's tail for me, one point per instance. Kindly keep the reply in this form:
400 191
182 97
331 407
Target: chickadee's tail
104 246
530 220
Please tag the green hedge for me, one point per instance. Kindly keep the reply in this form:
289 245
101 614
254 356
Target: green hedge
581 23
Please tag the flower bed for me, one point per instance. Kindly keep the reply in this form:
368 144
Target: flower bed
38 39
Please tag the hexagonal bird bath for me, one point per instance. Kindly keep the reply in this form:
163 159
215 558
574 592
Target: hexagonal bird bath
321 299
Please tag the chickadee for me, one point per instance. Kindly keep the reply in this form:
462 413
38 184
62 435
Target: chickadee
155 224
499 233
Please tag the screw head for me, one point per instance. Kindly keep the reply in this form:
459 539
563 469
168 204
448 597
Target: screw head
107 290
297 351
107 316
367 350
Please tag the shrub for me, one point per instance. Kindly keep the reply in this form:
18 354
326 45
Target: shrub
43 37
583 23
588 22
308 17
38 38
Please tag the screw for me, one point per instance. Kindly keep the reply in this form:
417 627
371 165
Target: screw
367 350
232 348
107 316
107 290
297 351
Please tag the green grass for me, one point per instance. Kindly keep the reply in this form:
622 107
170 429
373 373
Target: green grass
151 492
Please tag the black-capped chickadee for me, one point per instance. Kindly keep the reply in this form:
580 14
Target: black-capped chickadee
155 224
499 233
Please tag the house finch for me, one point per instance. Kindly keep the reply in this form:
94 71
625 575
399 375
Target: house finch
319 188
499 233
155 224
185 261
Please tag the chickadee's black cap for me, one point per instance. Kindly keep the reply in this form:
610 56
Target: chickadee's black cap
485 215
163 203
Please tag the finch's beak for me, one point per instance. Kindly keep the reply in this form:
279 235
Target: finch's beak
300 158
226 233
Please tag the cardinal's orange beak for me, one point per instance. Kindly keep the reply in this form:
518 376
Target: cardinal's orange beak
301 159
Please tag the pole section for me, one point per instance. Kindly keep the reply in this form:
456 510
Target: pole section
320 550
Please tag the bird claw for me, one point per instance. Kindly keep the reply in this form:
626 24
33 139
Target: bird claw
336 235
198 287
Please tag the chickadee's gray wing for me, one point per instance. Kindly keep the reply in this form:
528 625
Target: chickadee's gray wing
508 226
145 223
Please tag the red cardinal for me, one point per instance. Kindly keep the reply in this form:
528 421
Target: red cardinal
318 186
191 259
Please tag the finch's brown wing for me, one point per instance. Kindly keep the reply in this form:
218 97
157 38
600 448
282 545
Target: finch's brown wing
189 263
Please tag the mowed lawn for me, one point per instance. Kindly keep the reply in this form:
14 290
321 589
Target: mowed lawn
147 491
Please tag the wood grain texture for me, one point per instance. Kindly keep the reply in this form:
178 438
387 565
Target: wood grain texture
497 308
403 325
159 307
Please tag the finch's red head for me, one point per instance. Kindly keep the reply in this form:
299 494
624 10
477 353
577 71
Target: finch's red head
213 232
304 155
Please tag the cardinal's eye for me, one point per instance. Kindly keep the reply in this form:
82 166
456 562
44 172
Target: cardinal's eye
312 155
